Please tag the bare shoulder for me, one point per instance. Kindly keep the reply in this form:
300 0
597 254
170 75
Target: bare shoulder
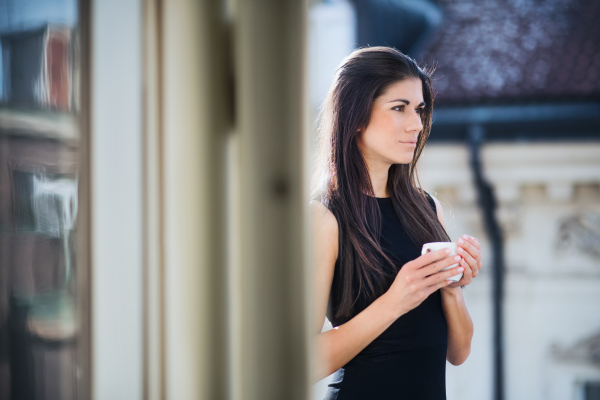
322 216
324 225
440 211
324 253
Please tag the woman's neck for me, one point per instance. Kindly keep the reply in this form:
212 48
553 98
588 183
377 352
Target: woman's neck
379 179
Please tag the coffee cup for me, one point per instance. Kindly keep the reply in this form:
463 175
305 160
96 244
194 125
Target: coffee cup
434 246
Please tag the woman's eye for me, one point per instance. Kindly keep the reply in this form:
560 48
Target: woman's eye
420 110
398 108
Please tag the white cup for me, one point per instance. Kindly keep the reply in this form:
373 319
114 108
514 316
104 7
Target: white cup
434 246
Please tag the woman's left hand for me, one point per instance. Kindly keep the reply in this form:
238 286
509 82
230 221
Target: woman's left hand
469 249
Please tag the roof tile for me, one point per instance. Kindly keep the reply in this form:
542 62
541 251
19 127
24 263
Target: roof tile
506 50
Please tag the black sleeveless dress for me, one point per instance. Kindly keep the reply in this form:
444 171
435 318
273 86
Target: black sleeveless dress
408 360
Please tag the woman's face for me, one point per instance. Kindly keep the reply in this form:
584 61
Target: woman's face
391 136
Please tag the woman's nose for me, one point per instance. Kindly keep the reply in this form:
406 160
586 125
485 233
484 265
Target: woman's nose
415 124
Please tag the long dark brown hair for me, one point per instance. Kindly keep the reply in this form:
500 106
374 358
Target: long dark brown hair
342 180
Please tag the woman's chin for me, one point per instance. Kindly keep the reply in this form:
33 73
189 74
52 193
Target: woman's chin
403 160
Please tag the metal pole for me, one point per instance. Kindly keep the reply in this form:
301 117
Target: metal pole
488 205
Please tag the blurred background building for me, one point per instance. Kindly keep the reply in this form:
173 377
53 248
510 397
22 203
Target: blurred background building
514 158
38 200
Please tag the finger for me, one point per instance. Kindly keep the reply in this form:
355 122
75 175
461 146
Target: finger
462 282
455 284
468 246
429 258
465 279
442 276
469 273
437 286
472 240
472 262
439 265
474 270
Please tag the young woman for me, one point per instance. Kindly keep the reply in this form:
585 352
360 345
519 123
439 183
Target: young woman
397 318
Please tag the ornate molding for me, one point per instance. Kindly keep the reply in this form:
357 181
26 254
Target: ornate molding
584 351
580 231
558 168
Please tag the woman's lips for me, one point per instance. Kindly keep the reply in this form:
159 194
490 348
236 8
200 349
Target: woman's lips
409 144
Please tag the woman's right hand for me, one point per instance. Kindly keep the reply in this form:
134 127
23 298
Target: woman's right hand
419 278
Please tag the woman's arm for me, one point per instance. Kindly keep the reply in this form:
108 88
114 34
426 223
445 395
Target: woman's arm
334 348
413 284
460 325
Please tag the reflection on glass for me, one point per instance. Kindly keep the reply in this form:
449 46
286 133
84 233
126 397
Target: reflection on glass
38 199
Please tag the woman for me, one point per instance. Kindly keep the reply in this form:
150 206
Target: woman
396 315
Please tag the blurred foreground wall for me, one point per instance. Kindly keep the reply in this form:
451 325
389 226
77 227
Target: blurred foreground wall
222 223
151 216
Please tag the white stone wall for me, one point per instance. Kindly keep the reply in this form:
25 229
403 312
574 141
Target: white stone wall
552 298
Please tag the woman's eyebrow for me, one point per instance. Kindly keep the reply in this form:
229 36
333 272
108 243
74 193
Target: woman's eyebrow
407 102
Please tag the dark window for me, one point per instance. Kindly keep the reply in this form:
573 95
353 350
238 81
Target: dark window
591 391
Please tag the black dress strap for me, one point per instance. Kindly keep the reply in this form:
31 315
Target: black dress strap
431 202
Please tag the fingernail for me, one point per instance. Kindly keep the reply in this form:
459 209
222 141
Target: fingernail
448 251
460 249
457 258
460 269
465 237
448 282
460 241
